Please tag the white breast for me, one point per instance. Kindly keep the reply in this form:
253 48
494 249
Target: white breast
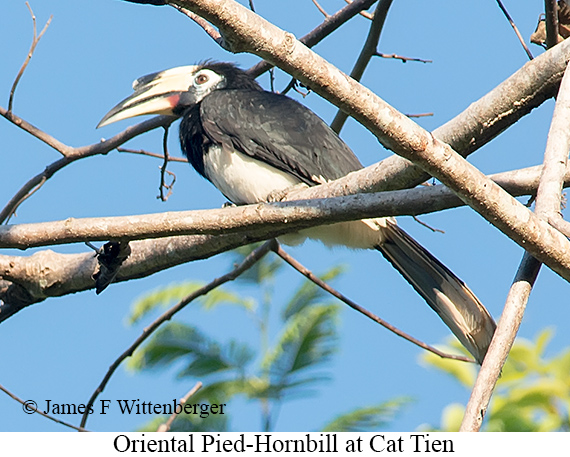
243 179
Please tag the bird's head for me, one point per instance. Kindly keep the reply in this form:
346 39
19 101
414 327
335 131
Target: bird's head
171 92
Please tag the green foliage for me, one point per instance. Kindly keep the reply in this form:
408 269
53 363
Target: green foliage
201 354
308 340
164 297
287 362
368 418
532 394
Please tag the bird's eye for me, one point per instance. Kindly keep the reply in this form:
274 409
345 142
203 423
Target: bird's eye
201 79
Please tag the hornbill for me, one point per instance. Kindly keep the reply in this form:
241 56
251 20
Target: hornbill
251 143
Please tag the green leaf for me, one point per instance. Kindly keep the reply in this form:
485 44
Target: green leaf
202 355
309 293
368 418
532 394
173 293
452 417
190 423
161 297
308 340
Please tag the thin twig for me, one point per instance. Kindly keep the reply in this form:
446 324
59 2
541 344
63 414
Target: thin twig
404 59
60 147
433 229
211 31
36 39
28 407
515 28
152 154
419 115
247 263
70 154
166 426
321 9
11 208
368 50
163 169
323 285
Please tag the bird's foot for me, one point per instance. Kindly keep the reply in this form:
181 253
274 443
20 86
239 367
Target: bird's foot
279 195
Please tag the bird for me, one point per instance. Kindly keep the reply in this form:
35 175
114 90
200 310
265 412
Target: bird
251 143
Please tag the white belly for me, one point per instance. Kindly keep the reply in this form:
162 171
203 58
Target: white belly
243 179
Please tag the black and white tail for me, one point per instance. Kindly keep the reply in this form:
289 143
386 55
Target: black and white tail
447 295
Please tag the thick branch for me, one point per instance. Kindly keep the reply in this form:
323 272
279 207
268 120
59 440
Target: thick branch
261 220
29 280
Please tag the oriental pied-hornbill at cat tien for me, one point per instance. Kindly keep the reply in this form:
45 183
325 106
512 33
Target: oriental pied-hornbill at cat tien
251 143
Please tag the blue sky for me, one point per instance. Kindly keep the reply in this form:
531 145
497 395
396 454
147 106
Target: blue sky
84 65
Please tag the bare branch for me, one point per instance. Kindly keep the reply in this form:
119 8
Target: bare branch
328 26
63 149
36 39
152 154
362 13
501 344
323 285
70 154
548 201
247 263
321 9
402 58
305 208
515 28
487 117
31 279
210 31
368 51
30 407
166 426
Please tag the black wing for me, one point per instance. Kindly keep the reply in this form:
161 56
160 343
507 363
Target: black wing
279 131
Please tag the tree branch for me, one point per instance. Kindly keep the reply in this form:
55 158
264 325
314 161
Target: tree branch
70 154
35 40
327 27
309 207
548 201
368 51
29 407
